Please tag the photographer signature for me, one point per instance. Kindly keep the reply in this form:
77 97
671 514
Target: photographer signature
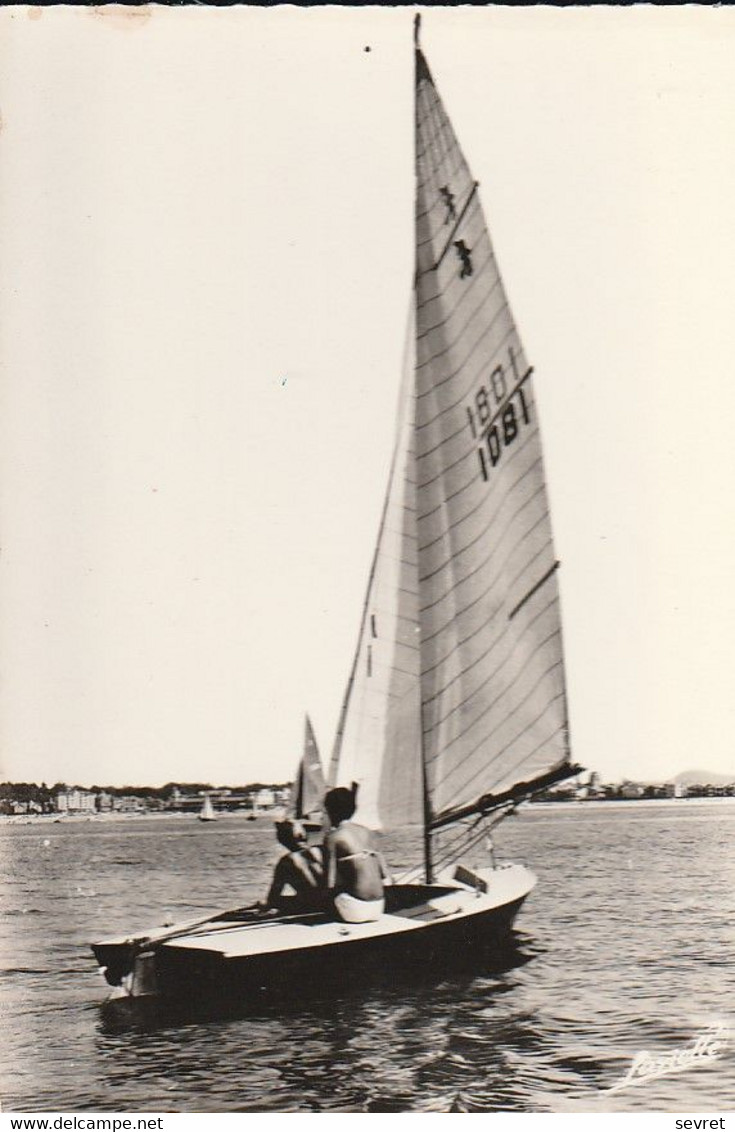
708 1047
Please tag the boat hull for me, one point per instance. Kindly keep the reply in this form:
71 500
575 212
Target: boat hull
425 929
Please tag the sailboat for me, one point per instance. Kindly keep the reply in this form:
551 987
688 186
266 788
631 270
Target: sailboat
455 708
207 811
309 787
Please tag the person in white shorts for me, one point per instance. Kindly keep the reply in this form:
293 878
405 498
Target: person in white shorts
355 869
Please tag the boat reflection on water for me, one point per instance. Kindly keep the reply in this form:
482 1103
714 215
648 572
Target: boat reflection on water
408 1046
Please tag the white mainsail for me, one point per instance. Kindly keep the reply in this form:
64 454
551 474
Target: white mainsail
457 693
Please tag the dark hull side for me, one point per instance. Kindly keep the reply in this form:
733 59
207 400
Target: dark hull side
187 976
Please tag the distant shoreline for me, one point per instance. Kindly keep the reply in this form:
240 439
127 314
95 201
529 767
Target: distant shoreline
618 803
574 805
117 816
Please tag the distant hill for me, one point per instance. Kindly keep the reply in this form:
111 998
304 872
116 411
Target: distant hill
704 778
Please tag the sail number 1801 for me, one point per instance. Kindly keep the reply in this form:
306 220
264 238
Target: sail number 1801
495 418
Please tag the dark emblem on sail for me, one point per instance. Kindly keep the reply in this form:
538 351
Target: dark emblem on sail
466 259
448 198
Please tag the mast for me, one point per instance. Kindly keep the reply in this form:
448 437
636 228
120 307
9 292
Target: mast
428 846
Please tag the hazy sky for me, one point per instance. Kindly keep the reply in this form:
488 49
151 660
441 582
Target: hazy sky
206 249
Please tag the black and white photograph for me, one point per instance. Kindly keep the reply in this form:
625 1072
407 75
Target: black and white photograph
367 621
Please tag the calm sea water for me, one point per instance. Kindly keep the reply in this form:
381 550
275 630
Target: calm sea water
625 945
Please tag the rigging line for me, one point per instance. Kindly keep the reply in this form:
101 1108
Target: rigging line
470 839
450 851
458 221
533 589
402 877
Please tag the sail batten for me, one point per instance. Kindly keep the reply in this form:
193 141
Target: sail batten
461 700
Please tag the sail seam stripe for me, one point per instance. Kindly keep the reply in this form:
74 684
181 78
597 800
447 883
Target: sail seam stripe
481 596
475 373
430 133
509 553
466 455
423 547
467 783
492 674
445 816
485 261
484 265
498 699
487 653
507 747
425 189
497 548
482 534
547 545
467 292
524 759
470 452
430 159
463 364
530 434
423 216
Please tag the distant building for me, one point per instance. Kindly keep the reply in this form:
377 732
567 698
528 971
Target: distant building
75 802
128 804
631 790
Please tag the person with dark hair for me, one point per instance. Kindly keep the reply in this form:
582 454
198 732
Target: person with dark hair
355 869
301 868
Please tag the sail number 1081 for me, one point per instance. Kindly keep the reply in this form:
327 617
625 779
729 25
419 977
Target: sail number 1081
495 420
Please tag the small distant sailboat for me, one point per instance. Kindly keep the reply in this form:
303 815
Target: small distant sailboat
455 708
309 787
207 811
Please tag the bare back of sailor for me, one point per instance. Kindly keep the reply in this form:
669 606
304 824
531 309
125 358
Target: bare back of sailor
355 868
